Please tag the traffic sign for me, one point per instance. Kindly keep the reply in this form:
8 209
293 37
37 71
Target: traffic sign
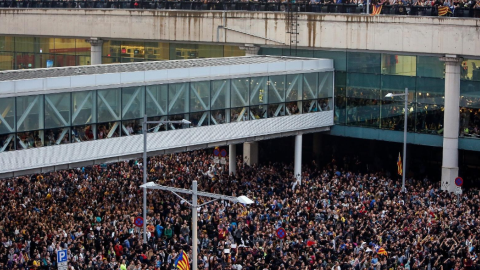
223 161
216 152
138 222
62 256
458 181
223 153
281 233
216 160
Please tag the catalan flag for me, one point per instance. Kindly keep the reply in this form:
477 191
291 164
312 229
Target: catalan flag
377 9
443 10
399 165
182 261
382 251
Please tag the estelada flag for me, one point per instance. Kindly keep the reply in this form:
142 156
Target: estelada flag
399 164
377 9
443 10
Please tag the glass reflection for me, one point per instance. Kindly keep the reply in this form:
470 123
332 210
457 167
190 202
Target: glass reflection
276 110
83 133
57 136
29 139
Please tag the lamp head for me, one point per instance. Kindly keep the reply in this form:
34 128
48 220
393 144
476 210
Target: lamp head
389 95
244 199
186 122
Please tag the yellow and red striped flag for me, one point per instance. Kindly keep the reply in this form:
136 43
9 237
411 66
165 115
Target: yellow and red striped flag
182 262
377 9
399 165
443 10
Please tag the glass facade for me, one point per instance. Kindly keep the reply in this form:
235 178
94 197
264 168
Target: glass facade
39 52
53 119
363 79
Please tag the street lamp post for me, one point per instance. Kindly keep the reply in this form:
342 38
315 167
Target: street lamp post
404 133
195 193
144 130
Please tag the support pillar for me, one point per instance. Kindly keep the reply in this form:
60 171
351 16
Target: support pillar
250 49
95 51
250 153
232 159
298 158
451 122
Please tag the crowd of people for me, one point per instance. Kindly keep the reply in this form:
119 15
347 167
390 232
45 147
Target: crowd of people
337 218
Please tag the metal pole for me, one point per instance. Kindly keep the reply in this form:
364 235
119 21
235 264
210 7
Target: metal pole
368 7
194 225
144 127
405 140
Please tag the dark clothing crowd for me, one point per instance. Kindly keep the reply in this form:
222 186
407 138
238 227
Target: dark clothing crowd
335 219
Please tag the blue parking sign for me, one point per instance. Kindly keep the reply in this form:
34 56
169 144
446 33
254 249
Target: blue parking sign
62 256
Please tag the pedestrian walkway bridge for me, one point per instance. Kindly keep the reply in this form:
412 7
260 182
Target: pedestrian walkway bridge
68 117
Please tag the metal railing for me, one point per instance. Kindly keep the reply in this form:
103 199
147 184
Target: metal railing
321 7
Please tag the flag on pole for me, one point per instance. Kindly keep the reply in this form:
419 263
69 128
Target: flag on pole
182 261
399 165
377 9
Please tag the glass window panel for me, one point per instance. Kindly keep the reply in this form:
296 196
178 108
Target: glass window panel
83 60
57 110
293 108
111 60
151 128
132 60
404 65
220 94
133 101
363 99
324 104
199 96
192 51
57 136
364 62
132 127
199 119
156 100
276 88
239 92
83 133
83 104
270 51
157 51
471 70
178 117
430 66
109 105
108 130
178 98
7 60
29 113
258 112
64 46
430 100
7 44
239 114
470 109
309 106
325 85
339 58
258 90
232 51
7 142
310 85
29 139
393 109
340 115
132 49
220 117
82 47
7 115
34 44
62 60
276 110
294 87
112 48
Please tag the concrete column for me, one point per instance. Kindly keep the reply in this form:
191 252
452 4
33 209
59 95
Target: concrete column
95 51
250 49
232 159
250 153
451 122
298 158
